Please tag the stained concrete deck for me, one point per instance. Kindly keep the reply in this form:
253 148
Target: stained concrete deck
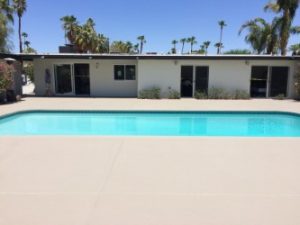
149 180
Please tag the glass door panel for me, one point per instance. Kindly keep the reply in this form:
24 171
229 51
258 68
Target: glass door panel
63 79
259 78
201 79
187 81
82 79
279 81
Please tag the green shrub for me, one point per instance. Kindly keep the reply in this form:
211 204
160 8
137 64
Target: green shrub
6 75
280 97
200 95
173 94
218 93
151 93
241 94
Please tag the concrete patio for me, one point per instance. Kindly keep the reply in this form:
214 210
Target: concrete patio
149 180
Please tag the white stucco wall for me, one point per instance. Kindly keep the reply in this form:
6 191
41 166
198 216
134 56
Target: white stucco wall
165 74
102 83
228 74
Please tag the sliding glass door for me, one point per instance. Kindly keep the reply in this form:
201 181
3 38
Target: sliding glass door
201 79
187 81
259 81
63 79
279 81
82 79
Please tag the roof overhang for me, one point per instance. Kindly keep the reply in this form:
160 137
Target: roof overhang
30 57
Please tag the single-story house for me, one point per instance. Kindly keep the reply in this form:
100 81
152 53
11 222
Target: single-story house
122 75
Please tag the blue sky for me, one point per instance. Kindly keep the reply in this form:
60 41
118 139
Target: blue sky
160 21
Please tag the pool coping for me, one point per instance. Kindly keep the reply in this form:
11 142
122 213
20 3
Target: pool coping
5 115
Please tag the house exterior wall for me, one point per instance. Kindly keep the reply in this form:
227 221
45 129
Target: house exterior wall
102 83
230 75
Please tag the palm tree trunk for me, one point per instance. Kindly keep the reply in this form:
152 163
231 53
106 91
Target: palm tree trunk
221 39
191 48
182 48
141 47
285 32
20 35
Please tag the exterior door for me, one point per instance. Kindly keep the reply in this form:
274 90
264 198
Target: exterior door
279 81
259 78
187 81
63 79
82 79
201 79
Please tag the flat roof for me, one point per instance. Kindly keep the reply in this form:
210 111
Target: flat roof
145 56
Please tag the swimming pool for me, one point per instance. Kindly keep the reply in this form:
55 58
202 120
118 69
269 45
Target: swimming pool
242 124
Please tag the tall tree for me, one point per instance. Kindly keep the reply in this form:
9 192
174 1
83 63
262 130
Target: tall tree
295 49
263 36
122 47
142 42
288 9
174 43
206 45
219 45
7 9
20 6
136 48
70 26
24 36
6 19
183 41
192 41
222 24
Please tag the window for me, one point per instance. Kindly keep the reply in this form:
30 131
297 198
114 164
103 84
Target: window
125 72
130 73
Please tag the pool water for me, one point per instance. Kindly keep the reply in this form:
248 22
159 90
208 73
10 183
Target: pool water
252 124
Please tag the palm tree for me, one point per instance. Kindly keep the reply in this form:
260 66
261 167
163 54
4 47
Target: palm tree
70 26
27 44
7 9
206 45
25 36
174 43
20 6
295 49
262 36
136 48
142 42
295 30
183 41
219 45
192 41
288 9
222 24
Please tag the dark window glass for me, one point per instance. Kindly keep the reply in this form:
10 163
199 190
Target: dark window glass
130 72
119 73
279 80
82 79
63 79
81 69
259 73
202 73
259 77
186 81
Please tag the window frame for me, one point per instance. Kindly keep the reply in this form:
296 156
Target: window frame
125 72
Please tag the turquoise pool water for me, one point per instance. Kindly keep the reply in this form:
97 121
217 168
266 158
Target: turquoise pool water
252 124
